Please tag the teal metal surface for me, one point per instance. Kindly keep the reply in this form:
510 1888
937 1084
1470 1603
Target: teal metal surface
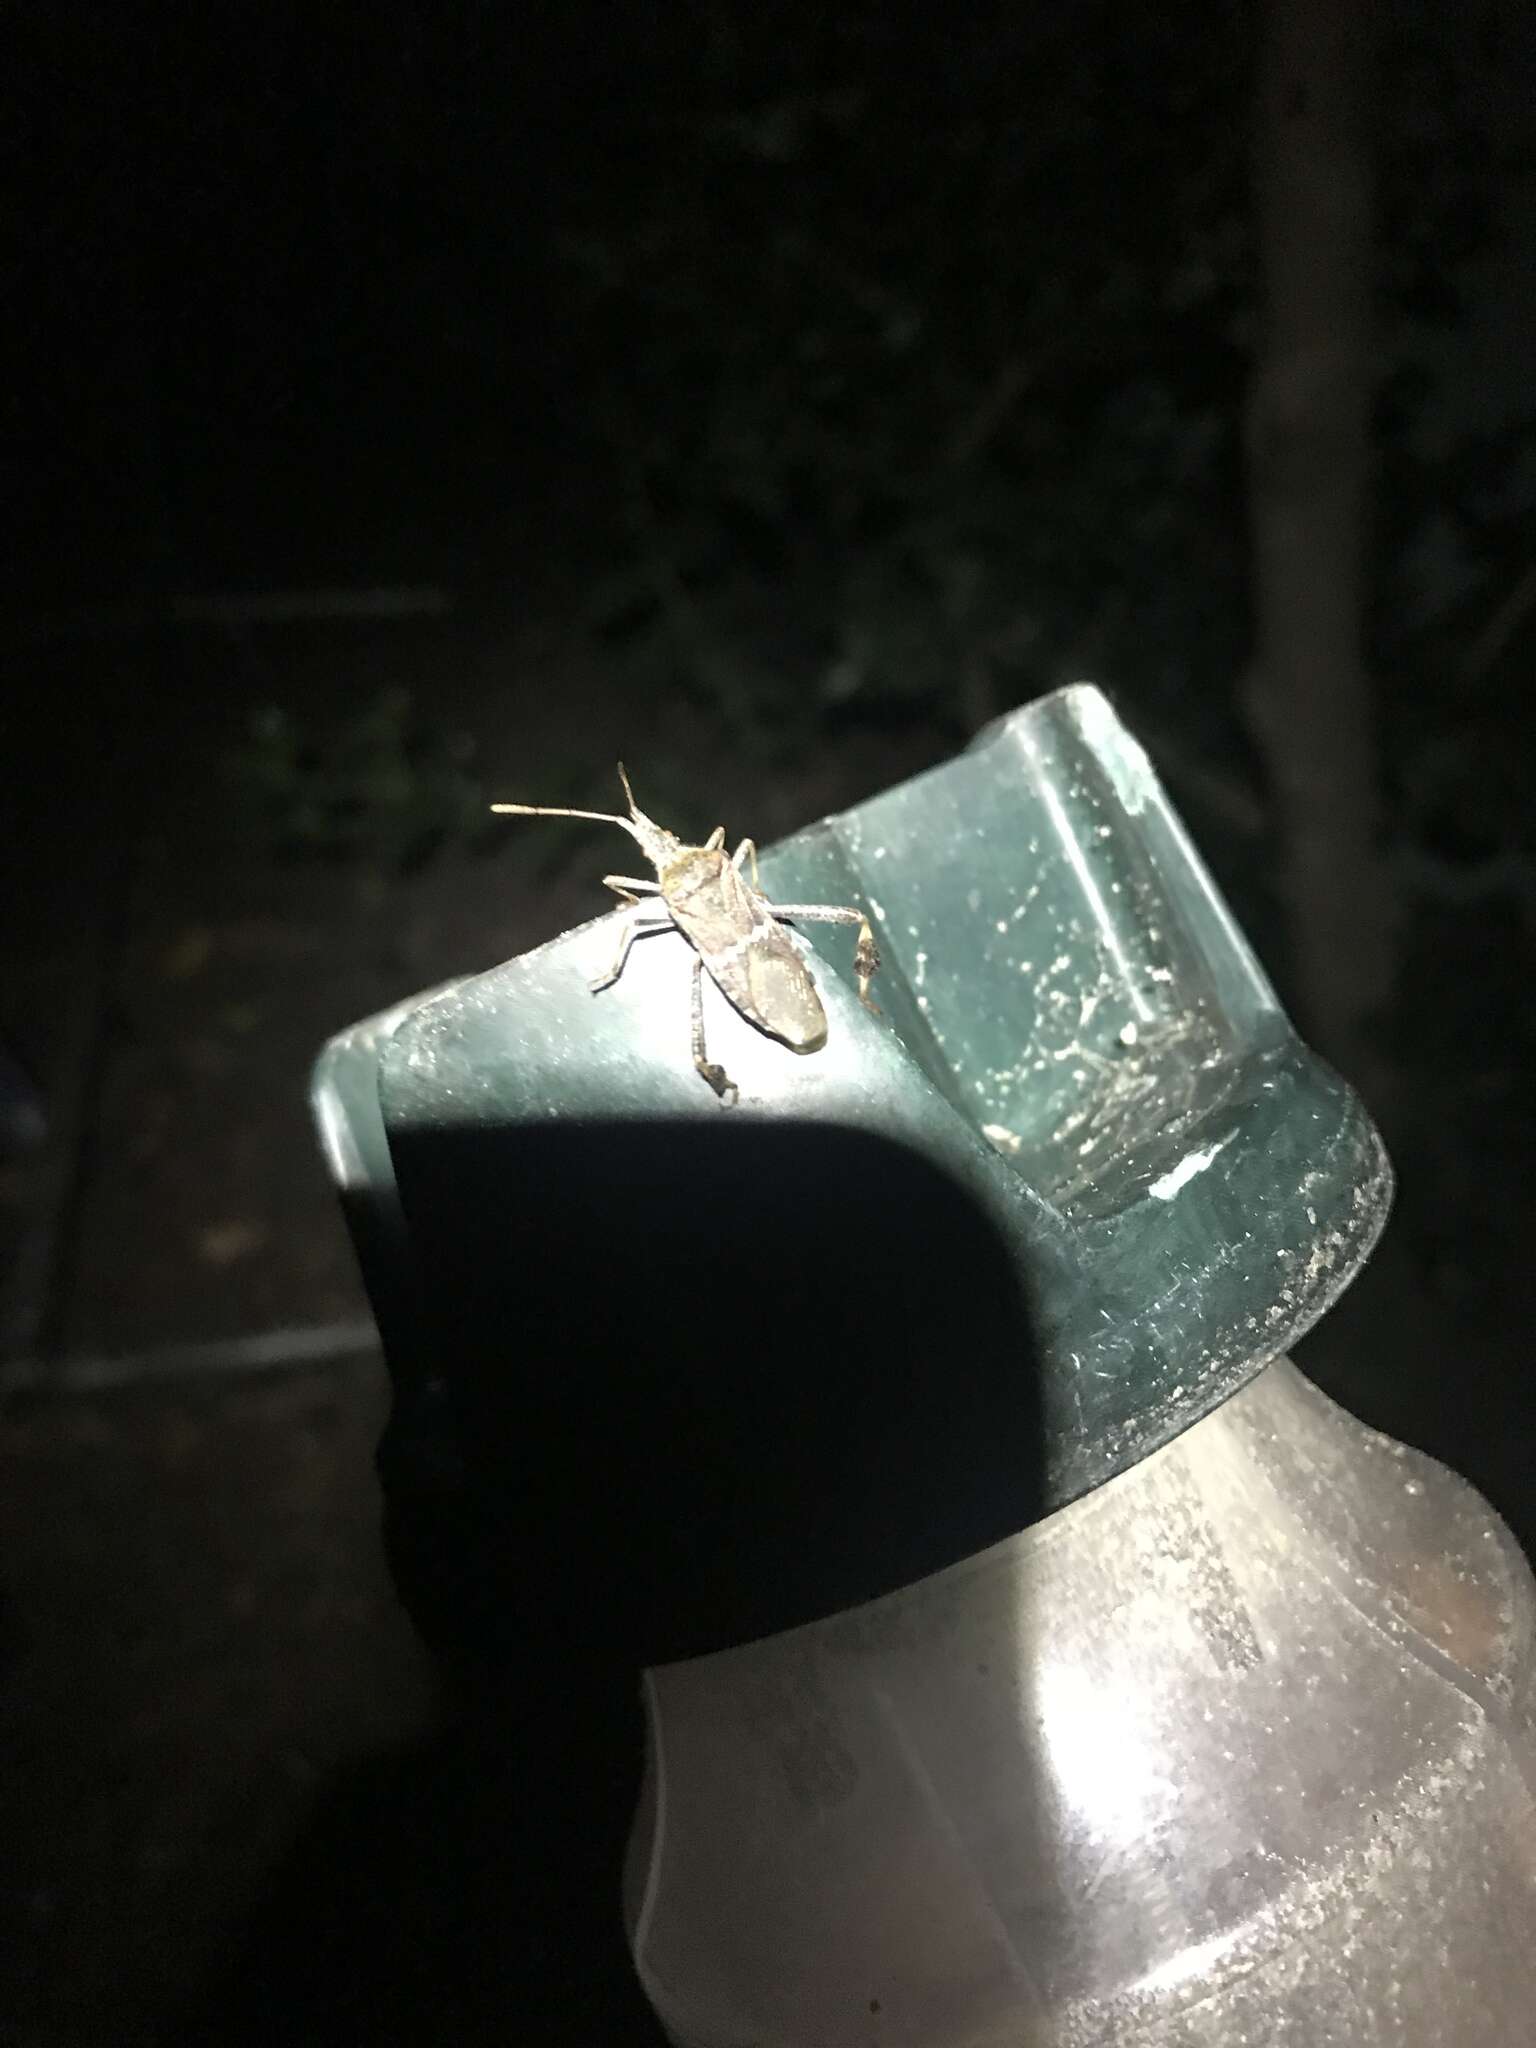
1074 1031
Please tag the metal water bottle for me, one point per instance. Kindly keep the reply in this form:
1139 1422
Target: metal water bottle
1030 1657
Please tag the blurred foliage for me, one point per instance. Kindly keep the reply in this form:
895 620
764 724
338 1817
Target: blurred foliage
384 788
922 359
925 364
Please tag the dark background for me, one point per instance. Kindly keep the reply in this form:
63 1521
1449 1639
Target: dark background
413 406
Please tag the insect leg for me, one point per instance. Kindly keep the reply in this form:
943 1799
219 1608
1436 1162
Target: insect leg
818 913
866 957
747 848
630 887
715 1076
637 927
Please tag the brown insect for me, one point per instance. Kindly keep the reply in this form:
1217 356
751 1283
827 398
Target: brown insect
731 925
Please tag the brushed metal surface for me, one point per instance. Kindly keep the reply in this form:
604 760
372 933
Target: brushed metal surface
1235 1751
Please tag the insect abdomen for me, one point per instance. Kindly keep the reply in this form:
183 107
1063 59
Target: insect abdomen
783 995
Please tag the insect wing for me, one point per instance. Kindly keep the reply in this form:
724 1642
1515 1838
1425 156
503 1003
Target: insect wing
783 994
707 901
750 958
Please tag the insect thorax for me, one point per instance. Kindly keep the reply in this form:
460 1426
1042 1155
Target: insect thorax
702 886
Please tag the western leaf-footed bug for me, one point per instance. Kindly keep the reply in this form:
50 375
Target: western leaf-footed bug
731 926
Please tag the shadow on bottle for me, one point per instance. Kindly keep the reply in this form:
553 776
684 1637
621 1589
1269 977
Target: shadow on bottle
670 1387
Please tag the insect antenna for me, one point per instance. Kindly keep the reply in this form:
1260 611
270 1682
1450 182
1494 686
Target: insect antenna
657 844
559 811
596 817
